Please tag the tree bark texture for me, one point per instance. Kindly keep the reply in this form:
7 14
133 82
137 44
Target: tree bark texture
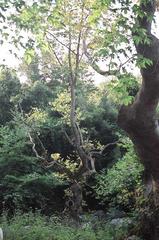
139 119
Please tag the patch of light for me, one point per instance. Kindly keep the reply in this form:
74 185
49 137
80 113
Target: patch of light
7 58
23 78
155 26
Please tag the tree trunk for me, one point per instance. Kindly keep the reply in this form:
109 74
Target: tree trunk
87 161
76 208
139 119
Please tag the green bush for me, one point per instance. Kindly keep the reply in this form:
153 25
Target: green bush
121 185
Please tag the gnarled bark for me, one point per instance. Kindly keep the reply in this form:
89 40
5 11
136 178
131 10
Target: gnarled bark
139 119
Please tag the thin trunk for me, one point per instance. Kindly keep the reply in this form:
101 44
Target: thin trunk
87 162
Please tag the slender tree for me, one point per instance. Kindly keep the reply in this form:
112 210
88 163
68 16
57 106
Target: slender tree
60 34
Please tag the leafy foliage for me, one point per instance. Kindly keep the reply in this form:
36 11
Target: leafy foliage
24 183
31 226
123 89
121 184
9 88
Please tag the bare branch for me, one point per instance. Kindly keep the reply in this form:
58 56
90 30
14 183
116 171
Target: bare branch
108 145
57 58
64 45
61 168
128 60
42 145
48 164
33 147
104 148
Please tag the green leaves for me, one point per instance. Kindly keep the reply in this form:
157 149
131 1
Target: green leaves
94 17
143 62
29 55
123 89
140 36
118 184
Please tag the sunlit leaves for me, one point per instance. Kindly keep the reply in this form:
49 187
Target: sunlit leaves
37 117
30 18
55 156
29 55
62 104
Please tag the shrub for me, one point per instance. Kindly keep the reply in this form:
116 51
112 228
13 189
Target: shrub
34 226
121 185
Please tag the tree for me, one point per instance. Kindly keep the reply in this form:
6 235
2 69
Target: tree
64 28
63 35
9 88
139 119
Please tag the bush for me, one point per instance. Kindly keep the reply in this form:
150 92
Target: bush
121 185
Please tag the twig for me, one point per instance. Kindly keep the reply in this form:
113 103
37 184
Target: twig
64 45
130 58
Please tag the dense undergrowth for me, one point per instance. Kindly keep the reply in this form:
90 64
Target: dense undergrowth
34 226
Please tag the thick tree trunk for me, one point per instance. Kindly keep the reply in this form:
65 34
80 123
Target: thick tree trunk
139 119
144 134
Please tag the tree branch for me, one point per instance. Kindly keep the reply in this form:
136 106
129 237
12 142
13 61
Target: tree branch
71 78
68 138
64 45
104 148
34 149
94 65
48 164
57 58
